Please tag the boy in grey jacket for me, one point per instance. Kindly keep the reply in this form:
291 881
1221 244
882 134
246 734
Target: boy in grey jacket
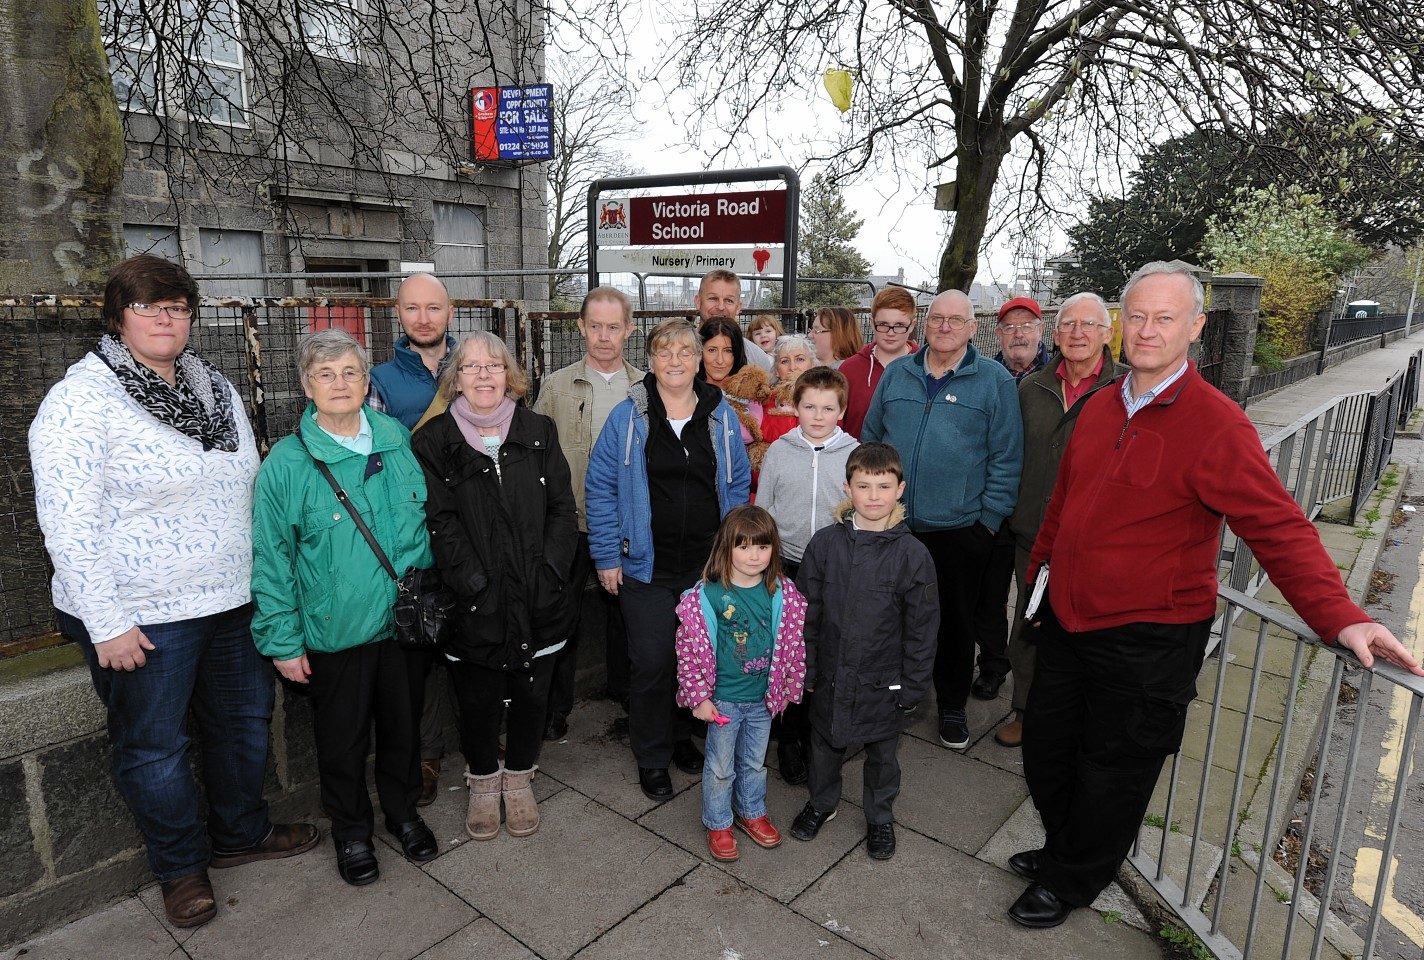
800 485
803 472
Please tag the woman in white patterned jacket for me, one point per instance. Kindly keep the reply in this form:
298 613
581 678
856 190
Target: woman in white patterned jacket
144 466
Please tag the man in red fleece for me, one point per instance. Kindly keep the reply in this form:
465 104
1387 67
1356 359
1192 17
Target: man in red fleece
1130 537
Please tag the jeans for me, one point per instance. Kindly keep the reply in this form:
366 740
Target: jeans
211 665
734 775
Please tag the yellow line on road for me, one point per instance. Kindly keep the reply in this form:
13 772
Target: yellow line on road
1368 859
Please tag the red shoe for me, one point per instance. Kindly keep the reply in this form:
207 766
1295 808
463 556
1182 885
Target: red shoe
722 844
761 831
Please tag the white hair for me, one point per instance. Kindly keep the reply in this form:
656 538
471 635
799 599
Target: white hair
1159 267
1089 297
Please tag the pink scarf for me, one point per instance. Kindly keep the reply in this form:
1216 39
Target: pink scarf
469 422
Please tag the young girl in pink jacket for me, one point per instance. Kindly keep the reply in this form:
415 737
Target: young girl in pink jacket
740 660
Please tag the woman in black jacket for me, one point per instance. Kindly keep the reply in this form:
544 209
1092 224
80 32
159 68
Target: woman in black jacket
503 530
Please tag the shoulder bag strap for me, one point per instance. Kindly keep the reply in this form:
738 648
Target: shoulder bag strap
355 514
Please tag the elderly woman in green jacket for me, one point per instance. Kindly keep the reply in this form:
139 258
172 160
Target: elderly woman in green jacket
323 599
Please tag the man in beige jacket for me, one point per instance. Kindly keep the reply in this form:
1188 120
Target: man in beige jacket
579 398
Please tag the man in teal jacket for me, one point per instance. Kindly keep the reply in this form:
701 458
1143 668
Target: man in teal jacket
954 417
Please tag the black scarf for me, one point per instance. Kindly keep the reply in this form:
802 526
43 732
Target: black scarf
198 406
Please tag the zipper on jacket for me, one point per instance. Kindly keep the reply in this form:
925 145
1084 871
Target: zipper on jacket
1125 424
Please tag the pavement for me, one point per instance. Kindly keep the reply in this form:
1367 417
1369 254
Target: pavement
611 874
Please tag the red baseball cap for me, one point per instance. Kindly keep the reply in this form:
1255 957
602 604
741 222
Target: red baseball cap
1028 303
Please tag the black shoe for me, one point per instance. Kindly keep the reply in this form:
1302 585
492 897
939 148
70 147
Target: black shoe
557 729
656 783
809 822
1025 863
791 758
1038 907
880 840
416 840
356 862
986 685
954 729
686 757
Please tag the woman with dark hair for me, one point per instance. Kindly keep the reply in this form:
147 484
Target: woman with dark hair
664 471
746 386
504 528
143 467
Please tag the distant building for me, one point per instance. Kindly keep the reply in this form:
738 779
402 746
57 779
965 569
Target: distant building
865 295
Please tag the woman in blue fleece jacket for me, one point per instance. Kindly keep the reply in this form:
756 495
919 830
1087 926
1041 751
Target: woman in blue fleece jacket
666 468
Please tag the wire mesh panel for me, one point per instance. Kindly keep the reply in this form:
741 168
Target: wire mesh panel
252 341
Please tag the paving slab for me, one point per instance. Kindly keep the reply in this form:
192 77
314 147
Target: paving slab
126 929
783 872
584 871
1024 831
300 908
711 914
932 902
955 799
595 760
483 939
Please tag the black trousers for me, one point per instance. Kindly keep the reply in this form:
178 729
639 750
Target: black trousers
481 692
794 724
615 640
881 777
991 614
350 688
1106 709
654 721
960 557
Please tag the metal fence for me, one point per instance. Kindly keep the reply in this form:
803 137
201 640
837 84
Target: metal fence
251 340
1212 359
1209 850
1349 330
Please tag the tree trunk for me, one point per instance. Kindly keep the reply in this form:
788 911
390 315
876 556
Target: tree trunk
60 202
973 189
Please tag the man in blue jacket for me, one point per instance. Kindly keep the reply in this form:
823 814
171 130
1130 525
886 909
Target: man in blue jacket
954 417
403 387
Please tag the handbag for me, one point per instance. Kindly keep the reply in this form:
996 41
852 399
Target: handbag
423 602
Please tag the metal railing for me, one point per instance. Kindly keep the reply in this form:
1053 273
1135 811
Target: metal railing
252 341
1348 330
1213 860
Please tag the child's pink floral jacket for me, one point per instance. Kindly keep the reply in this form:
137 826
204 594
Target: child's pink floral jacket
696 652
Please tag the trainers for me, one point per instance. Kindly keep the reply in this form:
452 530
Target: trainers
809 822
954 729
880 840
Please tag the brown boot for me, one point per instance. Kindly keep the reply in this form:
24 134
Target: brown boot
429 782
521 813
188 901
482 818
1010 734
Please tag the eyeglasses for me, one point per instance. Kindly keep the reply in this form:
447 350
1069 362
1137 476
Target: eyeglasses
1087 326
470 369
884 327
1021 327
327 377
667 356
939 320
817 331
151 310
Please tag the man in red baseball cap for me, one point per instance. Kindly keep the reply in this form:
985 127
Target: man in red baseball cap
1020 333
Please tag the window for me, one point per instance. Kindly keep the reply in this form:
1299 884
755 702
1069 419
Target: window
331 28
157 240
460 247
232 251
179 57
